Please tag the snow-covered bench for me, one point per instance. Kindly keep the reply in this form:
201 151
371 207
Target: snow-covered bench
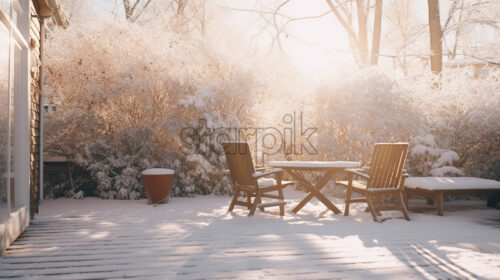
436 187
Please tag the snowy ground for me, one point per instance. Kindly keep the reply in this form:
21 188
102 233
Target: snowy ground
194 238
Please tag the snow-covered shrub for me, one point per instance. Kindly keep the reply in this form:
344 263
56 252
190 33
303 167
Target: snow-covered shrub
453 129
124 100
360 110
463 115
199 140
116 163
426 158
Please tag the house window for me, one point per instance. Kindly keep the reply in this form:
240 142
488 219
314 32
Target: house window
14 108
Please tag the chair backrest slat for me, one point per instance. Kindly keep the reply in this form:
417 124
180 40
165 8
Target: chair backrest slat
390 173
387 165
239 162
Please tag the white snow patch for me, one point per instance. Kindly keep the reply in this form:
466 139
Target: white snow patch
315 164
447 157
446 170
200 99
78 195
158 171
450 183
428 139
266 182
420 149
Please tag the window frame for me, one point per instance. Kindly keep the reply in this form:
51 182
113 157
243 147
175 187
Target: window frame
19 93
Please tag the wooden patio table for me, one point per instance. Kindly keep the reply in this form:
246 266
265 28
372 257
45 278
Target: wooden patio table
296 169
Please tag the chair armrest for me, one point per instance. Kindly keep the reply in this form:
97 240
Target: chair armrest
358 171
258 175
260 168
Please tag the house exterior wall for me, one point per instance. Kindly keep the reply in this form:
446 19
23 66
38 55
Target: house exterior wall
24 89
35 93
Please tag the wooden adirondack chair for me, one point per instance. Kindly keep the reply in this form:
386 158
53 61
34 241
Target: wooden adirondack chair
245 180
384 177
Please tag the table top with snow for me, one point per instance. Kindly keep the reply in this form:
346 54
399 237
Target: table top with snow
314 164
450 183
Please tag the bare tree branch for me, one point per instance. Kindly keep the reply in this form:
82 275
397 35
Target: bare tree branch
278 29
142 10
132 12
342 21
451 12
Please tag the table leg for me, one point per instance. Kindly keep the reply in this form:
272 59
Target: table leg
326 202
299 177
314 191
439 200
302 203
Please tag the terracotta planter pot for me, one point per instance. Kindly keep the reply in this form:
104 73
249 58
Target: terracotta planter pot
158 184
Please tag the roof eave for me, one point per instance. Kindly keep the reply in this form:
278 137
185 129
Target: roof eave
53 8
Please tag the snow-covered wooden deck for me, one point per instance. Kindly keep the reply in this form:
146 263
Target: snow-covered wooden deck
194 238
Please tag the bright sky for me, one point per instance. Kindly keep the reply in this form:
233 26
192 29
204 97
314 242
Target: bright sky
317 45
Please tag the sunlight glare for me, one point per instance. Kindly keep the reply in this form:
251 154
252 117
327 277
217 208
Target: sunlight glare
100 235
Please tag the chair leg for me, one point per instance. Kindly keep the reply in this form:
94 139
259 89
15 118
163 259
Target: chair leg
255 202
401 200
347 201
405 199
372 207
376 204
249 199
282 197
235 197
